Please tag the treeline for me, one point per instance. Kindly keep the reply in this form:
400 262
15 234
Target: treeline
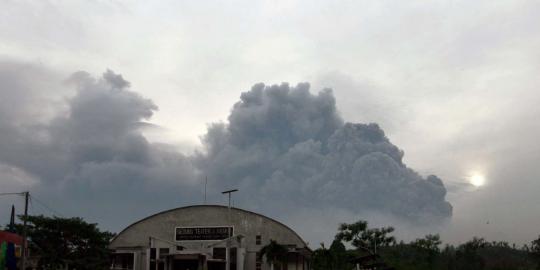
72 243
66 243
426 253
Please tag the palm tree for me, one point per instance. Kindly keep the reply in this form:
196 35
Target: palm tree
274 253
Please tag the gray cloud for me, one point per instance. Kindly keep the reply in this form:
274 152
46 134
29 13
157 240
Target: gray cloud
281 146
92 154
287 146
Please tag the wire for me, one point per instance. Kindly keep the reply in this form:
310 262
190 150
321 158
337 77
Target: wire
12 193
31 207
33 197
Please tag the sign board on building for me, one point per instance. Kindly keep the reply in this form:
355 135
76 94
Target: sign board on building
203 233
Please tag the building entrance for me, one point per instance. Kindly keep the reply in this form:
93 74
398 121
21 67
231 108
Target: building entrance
185 265
216 265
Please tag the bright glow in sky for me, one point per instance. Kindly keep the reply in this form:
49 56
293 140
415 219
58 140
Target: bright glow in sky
477 179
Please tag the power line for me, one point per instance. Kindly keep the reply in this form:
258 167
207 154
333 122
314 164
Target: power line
33 197
31 207
12 193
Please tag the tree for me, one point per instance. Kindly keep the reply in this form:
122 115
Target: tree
70 242
334 258
428 247
429 242
275 253
467 254
535 250
322 258
339 256
364 238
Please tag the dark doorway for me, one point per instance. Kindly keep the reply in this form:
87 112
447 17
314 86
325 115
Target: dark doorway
185 265
216 266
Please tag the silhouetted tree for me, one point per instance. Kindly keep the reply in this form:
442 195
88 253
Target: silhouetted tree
339 256
428 247
70 242
334 258
322 259
274 253
364 238
467 255
535 250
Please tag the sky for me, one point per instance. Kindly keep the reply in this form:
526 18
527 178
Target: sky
114 110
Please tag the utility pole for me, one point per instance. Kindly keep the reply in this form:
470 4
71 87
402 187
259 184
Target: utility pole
227 244
375 247
25 244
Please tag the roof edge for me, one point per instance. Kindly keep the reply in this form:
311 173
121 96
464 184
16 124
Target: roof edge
209 205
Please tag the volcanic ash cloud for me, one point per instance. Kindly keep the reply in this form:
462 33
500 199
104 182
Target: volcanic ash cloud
283 146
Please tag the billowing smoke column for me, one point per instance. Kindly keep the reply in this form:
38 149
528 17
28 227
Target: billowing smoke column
284 146
287 150
91 153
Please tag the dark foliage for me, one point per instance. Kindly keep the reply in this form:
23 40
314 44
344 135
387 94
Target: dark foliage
364 238
274 253
424 253
335 258
72 242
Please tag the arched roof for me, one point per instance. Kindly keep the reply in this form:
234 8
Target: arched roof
209 205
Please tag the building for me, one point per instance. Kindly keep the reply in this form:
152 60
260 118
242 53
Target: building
10 250
198 237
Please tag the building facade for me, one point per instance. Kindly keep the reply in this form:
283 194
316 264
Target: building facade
206 237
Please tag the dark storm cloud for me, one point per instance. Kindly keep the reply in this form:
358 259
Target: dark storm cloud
287 146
